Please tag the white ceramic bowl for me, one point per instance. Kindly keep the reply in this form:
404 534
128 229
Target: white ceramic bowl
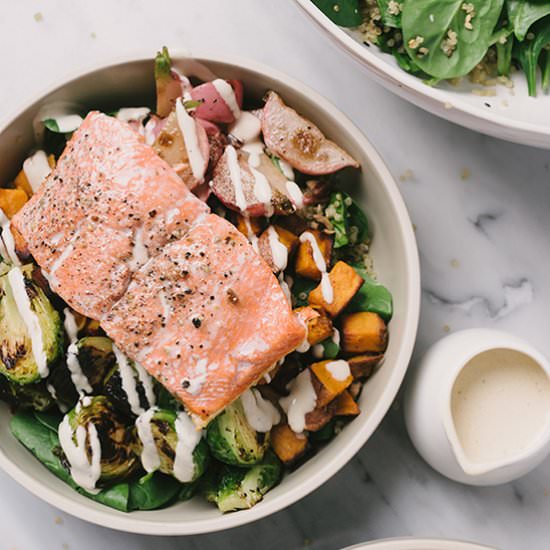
418 544
518 117
130 82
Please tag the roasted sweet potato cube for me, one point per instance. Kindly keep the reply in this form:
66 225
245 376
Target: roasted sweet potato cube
286 444
324 396
345 405
12 200
293 223
319 328
255 224
362 366
305 264
345 282
319 417
364 332
266 246
335 376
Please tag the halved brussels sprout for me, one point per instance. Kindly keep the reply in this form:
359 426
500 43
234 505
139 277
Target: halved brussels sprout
119 459
95 359
19 307
163 430
241 488
131 390
28 396
233 441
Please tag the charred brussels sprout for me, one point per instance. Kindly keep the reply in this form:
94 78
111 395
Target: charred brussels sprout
95 358
26 317
129 387
119 459
240 488
165 436
28 396
233 441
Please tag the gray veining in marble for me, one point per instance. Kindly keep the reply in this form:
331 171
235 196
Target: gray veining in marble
482 212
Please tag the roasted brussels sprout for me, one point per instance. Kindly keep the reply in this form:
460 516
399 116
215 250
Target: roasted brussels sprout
95 359
26 396
31 331
241 488
118 440
129 387
164 432
233 441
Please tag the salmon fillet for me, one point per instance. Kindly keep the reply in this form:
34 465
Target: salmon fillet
206 317
109 205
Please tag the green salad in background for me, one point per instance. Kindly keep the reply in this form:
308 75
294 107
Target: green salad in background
448 39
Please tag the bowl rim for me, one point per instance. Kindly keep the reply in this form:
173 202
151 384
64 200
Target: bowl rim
414 543
135 523
430 98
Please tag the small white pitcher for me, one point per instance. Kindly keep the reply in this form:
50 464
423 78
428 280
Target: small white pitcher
428 412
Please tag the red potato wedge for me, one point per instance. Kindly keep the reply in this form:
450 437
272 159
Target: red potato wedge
170 146
272 241
221 100
216 140
170 84
299 142
345 284
224 188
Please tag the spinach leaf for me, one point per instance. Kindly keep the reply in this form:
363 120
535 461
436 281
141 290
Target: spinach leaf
348 220
188 490
39 437
358 219
372 296
528 53
391 12
545 66
342 12
524 13
448 38
504 46
153 491
300 290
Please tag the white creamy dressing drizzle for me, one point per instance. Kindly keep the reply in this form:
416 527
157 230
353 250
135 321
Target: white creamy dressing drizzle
128 379
319 350
188 128
286 169
235 175
23 303
80 381
251 235
68 123
8 240
140 255
37 169
285 287
150 458
52 279
260 413
326 286
339 370
295 194
300 401
130 114
227 93
246 128
279 252
147 383
188 438
84 471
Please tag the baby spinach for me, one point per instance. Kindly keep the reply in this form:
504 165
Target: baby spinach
153 491
448 38
524 13
528 53
348 220
300 290
342 12
372 296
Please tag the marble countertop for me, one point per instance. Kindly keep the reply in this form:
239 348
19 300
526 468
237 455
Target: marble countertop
481 209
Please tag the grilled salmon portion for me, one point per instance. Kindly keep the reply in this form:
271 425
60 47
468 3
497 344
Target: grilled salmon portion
206 317
110 204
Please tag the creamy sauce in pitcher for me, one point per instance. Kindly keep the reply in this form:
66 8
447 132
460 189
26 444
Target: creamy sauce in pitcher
500 405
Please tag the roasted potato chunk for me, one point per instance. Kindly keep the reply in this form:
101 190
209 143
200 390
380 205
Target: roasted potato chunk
256 224
267 248
345 282
345 405
364 332
12 200
305 264
329 373
362 366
